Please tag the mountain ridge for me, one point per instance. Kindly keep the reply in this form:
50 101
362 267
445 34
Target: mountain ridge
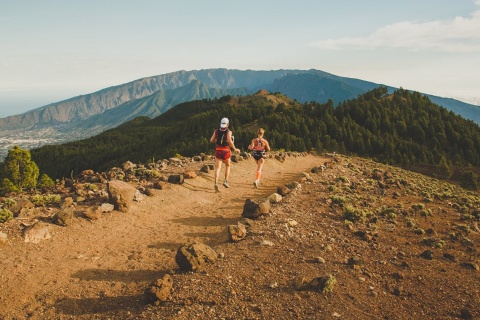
87 115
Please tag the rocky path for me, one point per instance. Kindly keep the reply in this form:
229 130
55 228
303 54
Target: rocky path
109 262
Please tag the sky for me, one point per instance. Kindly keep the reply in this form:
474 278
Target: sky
52 50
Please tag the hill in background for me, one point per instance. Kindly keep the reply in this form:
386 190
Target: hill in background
88 115
402 128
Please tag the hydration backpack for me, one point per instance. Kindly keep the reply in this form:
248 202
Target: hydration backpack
222 137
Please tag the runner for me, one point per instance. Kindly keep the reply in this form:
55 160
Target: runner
223 140
259 146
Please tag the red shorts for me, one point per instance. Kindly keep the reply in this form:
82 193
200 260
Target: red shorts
223 154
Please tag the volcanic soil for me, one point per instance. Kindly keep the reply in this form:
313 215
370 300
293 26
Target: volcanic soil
352 240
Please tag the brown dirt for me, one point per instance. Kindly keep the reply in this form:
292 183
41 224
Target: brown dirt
101 269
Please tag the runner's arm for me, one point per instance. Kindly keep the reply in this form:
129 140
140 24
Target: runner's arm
214 136
230 141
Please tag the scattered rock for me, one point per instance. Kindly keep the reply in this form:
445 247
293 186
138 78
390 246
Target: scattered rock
255 208
470 265
64 217
237 232
120 194
193 256
93 212
322 284
36 233
427 254
176 178
161 290
107 207
275 198
3 238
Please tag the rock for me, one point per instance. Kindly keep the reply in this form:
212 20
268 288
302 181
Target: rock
427 254
266 243
176 179
22 208
470 265
355 261
107 207
66 202
205 168
93 213
322 284
190 174
138 196
36 233
120 194
161 290
64 217
237 232
127 166
275 198
255 208
236 158
292 223
194 256
283 190
3 238
161 185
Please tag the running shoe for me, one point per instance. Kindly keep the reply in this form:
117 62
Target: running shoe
255 185
216 188
225 184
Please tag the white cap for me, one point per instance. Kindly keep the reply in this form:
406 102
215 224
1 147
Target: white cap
224 123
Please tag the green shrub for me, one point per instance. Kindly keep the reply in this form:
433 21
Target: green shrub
45 200
8 187
5 215
45 182
338 200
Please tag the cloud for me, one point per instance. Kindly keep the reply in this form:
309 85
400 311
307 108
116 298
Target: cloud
457 35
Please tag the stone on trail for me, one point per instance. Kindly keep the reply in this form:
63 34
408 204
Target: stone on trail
161 290
194 256
36 233
255 208
64 217
120 194
237 232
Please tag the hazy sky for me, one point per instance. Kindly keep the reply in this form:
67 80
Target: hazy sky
52 50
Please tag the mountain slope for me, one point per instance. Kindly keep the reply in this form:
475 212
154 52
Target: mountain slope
402 128
76 114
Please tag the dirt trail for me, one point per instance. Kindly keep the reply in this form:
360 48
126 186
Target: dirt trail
119 255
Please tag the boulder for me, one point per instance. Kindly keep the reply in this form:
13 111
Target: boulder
237 232
93 213
161 290
275 198
64 217
120 194
36 233
176 178
255 208
22 208
194 256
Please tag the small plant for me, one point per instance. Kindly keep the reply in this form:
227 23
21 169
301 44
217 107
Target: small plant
338 200
9 202
44 200
419 231
353 214
432 242
418 206
5 215
90 187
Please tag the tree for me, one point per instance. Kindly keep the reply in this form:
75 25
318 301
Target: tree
444 170
19 169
